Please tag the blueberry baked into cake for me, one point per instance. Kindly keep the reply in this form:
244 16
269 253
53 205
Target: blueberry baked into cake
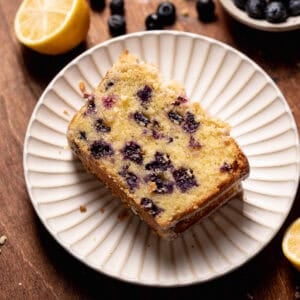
164 157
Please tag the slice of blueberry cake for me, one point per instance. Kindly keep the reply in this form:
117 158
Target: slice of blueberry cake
163 156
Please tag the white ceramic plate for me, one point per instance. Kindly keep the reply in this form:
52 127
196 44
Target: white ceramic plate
291 23
229 86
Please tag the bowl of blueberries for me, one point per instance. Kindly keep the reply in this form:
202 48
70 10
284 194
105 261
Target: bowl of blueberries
267 15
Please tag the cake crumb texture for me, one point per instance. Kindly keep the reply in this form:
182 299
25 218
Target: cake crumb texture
161 154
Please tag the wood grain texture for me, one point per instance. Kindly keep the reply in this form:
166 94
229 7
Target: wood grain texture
32 264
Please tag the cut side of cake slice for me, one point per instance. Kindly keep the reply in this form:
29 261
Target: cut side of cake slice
162 155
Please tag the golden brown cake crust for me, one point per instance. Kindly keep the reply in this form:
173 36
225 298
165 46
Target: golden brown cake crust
207 154
205 211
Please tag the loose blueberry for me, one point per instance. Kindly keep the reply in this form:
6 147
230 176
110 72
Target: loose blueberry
175 117
82 135
109 101
141 119
101 149
294 7
166 12
116 25
193 143
161 162
240 3
97 4
131 179
132 151
256 8
116 7
151 207
184 179
190 125
101 127
276 12
153 22
144 94
180 100
205 10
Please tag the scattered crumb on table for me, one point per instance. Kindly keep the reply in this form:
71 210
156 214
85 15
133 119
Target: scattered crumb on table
66 112
102 209
185 12
3 239
82 87
82 208
20 283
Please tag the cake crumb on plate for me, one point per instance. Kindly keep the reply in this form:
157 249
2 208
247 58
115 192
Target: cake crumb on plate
82 208
82 86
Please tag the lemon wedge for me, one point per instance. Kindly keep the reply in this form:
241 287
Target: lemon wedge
52 26
291 244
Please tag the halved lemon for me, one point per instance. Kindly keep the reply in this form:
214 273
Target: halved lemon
52 26
291 244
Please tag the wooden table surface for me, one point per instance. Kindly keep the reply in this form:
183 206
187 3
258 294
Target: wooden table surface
32 264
